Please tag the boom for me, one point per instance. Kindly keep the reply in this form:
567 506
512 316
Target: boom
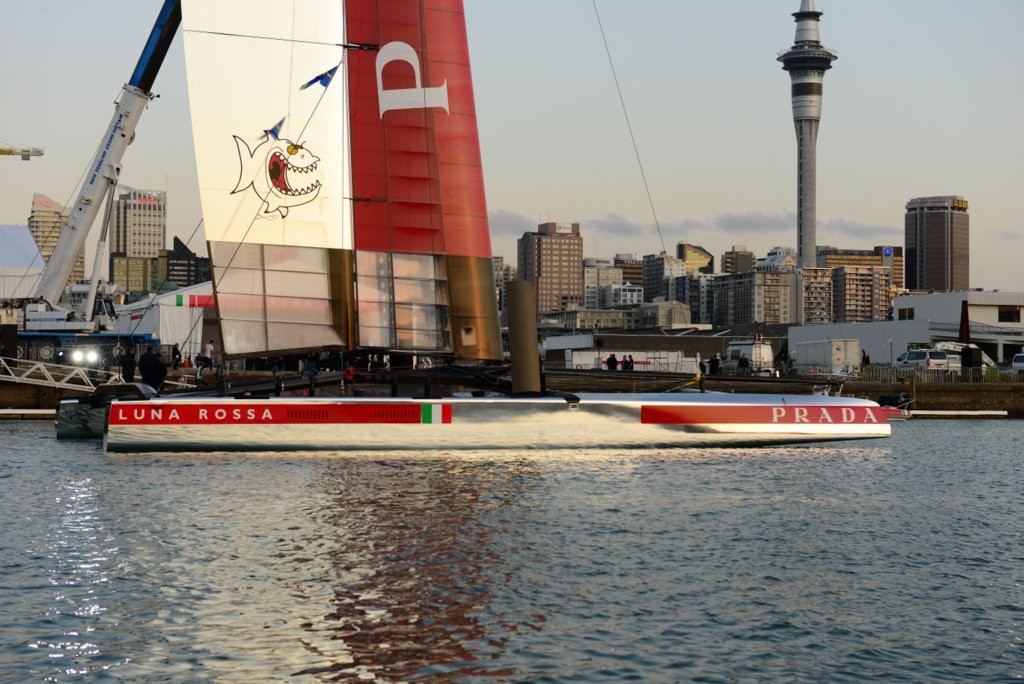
103 172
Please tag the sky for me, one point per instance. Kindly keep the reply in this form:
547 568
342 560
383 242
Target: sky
926 98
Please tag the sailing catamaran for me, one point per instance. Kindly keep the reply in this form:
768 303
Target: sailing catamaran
343 201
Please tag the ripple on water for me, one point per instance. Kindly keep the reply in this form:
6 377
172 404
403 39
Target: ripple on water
882 561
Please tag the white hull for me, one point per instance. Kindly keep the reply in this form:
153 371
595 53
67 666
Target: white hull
595 421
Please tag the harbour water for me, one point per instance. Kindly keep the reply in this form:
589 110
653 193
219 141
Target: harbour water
889 560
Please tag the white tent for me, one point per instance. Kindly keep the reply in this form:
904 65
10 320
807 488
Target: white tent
171 317
21 264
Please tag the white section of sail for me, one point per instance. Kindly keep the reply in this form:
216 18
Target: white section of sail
272 156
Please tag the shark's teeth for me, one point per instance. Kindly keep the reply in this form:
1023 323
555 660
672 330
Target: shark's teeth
301 169
295 192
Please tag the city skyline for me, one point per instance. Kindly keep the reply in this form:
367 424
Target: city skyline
923 106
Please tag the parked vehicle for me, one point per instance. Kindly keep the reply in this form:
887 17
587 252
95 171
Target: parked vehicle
955 362
928 359
1017 364
831 356
760 357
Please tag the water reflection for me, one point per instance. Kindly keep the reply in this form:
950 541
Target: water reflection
584 566
76 552
420 549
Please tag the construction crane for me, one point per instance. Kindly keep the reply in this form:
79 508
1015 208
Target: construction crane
23 152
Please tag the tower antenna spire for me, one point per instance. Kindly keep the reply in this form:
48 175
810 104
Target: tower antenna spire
807 61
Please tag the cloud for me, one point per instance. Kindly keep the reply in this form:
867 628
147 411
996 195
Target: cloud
509 224
756 222
892 234
613 225
1006 235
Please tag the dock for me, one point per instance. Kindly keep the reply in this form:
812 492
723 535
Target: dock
925 413
27 414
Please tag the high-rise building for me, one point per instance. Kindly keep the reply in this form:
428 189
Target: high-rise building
553 258
817 300
937 244
756 297
503 273
661 272
886 256
697 259
807 61
598 275
137 275
45 222
700 290
739 259
860 294
181 266
139 228
632 269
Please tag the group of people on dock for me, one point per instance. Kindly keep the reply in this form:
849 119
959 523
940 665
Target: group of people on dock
614 363
153 368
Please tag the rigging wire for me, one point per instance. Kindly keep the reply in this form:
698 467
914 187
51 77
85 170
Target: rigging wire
629 126
159 290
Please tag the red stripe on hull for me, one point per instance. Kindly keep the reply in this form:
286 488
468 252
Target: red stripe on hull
256 413
760 415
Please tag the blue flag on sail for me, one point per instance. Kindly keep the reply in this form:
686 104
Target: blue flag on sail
274 132
323 79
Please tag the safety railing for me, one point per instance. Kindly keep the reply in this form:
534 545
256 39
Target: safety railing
81 378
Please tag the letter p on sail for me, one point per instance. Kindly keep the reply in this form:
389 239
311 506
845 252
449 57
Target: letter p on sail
407 98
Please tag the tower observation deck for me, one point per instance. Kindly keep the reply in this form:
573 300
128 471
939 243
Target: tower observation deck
807 61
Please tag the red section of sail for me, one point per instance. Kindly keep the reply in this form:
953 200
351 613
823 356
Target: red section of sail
416 173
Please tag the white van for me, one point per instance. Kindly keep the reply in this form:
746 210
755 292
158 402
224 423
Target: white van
1017 364
759 354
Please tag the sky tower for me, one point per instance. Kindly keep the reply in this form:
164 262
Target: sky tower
807 61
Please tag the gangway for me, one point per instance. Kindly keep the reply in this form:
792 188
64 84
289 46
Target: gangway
58 376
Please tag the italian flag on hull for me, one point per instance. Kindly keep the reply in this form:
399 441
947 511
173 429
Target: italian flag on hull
436 413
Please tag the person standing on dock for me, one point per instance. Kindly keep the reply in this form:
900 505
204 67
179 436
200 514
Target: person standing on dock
149 367
128 364
613 363
207 358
